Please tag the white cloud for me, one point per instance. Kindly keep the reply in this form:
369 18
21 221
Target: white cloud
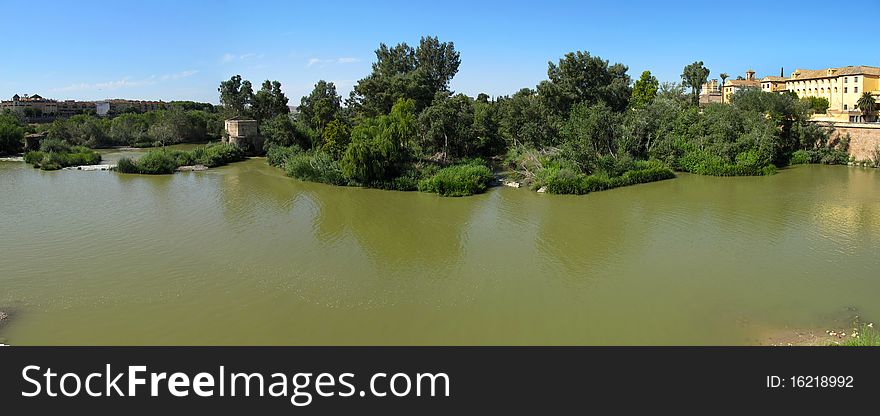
322 62
229 57
126 82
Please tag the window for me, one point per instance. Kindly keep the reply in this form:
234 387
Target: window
856 89
844 89
855 79
844 107
845 80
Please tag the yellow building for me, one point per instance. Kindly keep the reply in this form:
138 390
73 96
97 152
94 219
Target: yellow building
773 84
734 85
842 87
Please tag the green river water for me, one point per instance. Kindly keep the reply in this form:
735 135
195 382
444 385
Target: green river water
243 255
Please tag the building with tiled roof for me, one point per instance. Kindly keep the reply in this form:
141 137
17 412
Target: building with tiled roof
842 87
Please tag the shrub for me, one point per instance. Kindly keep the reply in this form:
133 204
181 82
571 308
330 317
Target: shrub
801 157
126 165
567 181
458 180
315 166
54 159
705 163
157 162
34 158
276 155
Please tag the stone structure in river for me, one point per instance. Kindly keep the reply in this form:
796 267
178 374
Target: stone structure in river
244 133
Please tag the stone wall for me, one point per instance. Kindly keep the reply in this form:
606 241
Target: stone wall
864 138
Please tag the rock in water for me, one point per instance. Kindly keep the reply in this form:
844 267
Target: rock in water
3 316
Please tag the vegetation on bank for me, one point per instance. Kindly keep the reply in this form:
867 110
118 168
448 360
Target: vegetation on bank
56 154
166 161
866 336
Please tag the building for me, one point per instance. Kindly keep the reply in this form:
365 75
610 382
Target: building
773 84
30 106
732 86
710 93
118 106
842 87
244 133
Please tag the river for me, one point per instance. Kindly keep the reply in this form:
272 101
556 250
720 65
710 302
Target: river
243 255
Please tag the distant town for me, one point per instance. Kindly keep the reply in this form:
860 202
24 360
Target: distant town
841 87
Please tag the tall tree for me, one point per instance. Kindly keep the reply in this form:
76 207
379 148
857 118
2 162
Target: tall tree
403 72
644 90
723 77
867 105
321 106
694 76
269 101
581 78
236 96
447 126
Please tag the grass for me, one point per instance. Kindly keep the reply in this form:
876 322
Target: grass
866 336
458 180
563 180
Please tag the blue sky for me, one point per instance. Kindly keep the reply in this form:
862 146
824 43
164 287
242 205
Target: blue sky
181 50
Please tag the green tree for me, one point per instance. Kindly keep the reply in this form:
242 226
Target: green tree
818 105
525 120
269 101
336 137
644 90
11 133
379 144
581 78
403 72
321 106
867 105
694 76
447 126
236 96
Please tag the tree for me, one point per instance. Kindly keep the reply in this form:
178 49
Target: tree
644 90
818 105
867 105
447 126
379 144
321 106
581 78
336 137
402 72
694 76
723 77
236 96
269 101
11 133
525 120
591 132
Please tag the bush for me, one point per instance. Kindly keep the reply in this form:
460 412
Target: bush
54 159
458 180
567 181
802 157
165 161
157 162
276 155
706 163
315 166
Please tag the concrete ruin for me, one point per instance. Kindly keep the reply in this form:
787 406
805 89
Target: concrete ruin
245 134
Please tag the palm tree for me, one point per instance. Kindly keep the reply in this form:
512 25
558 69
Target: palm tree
867 105
723 77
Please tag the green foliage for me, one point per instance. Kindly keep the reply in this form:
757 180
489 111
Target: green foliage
581 78
801 157
378 145
563 180
694 76
55 155
817 105
277 155
458 180
321 106
866 336
166 161
282 131
644 90
269 101
314 166
11 133
867 105
235 96
402 72
703 162
447 126
526 121
335 138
